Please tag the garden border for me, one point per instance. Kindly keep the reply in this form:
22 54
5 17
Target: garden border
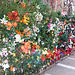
50 66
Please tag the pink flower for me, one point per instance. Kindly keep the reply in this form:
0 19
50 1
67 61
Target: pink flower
70 20
49 25
64 13
50 20
21 62
32 50
11 35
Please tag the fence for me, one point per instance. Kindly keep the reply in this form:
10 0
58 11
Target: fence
61 5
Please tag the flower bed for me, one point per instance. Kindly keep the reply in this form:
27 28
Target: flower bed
32 38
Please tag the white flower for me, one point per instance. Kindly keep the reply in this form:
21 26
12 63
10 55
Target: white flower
5 53
35 34
5 66
62 45
42 42
70 46
39 39
18 38
4 40
72 28
51 27
6 61
34 13
10 53
71 42
4 49
3 20
39 16
44 52
0 64
38 7
14 69
1 54
57 19
35 29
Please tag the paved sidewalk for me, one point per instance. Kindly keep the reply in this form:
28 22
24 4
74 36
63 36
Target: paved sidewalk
64 67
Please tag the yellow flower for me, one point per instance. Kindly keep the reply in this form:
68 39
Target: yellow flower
35 43
53 41
53 29
50 58
14 54
25 20
22 56
38 58
52 32
62 27
16 60
29 53
45 48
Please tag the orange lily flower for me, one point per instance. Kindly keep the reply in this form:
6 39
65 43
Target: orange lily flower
18 32
11 68
15 24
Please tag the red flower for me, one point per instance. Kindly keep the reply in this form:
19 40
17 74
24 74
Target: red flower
34 46
42 58
57 53
62 50
58 58
74 40
60 33
15 13
14 16
61 41
74 45
49 54
55 49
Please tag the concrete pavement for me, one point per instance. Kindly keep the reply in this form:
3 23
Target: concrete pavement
64 67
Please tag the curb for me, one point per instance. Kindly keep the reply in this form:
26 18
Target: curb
52 65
